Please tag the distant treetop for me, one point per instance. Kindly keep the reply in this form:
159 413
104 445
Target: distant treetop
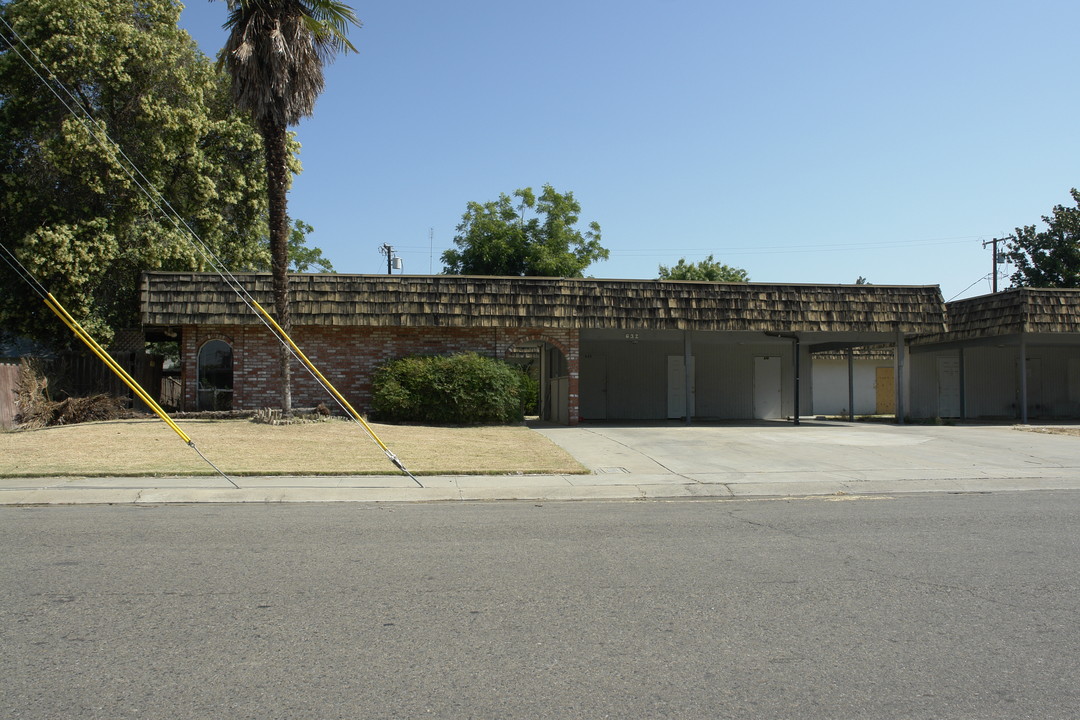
497 237
1048 258
708 270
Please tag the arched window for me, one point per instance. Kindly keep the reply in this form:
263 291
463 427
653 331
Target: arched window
215 375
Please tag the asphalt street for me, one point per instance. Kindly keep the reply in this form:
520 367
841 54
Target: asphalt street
919 606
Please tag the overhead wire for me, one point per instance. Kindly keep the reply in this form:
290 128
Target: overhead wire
786 249
984 277
165 208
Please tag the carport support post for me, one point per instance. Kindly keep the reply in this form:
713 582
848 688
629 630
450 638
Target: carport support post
798 389
542 397
687 379
850 385
898 380
1023 379
963 392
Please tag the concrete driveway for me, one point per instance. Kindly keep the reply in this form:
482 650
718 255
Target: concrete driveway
919 456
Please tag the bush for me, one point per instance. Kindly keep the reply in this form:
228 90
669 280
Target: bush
449 389
530 392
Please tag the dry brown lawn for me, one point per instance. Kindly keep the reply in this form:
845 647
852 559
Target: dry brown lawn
242 447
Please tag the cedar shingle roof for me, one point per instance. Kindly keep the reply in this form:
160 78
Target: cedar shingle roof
172 299
872 352
1028 310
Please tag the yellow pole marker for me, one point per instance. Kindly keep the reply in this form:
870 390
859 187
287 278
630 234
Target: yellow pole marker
104 356
73 324
333 390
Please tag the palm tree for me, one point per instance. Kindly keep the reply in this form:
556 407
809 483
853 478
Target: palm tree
275 55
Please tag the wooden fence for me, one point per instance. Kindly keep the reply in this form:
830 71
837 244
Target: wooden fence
81 376
9 373
84 375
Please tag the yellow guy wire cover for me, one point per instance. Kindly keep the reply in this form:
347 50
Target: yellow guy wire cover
104 356
311 366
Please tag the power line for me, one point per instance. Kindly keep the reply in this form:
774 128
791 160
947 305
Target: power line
984 277
775 249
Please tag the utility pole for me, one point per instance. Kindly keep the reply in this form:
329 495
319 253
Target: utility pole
994 274
388 251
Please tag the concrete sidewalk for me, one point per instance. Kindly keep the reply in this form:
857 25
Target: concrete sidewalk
662 461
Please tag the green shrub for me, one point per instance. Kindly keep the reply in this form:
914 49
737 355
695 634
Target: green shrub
448 389
530 392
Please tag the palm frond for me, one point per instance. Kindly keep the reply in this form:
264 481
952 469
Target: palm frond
276 50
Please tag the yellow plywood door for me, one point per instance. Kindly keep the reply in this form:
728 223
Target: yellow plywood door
886 390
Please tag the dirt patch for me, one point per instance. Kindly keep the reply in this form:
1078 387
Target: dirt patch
241 447
1074 431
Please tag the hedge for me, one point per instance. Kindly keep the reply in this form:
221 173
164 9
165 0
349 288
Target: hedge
450 389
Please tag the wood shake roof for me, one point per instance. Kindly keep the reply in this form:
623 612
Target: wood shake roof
1027 310
173 299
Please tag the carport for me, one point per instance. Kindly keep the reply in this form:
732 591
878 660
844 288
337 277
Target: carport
745 347
1008 355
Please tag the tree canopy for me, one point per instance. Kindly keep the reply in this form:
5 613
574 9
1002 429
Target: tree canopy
1048 258
69 209
708 270
302 257
524 235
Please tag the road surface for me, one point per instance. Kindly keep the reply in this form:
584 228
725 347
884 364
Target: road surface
934 606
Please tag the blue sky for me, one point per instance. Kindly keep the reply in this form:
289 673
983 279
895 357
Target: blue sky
804 142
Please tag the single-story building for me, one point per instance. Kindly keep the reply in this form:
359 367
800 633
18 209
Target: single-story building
1009 355
608 349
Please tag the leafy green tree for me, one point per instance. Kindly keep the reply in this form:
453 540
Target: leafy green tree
68 207
1049 258
301 257
496 238
275 54
708 270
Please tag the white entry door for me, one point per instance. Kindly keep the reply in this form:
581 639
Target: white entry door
767 397
676 386
948 377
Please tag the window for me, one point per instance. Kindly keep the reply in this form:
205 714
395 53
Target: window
215 375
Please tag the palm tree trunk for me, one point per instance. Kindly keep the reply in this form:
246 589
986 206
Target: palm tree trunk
277 179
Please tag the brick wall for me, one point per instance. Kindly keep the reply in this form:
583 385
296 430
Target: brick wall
347 357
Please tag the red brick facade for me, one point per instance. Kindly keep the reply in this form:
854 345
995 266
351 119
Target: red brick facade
348 356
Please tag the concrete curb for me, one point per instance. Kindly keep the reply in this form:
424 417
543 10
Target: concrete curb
158 491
